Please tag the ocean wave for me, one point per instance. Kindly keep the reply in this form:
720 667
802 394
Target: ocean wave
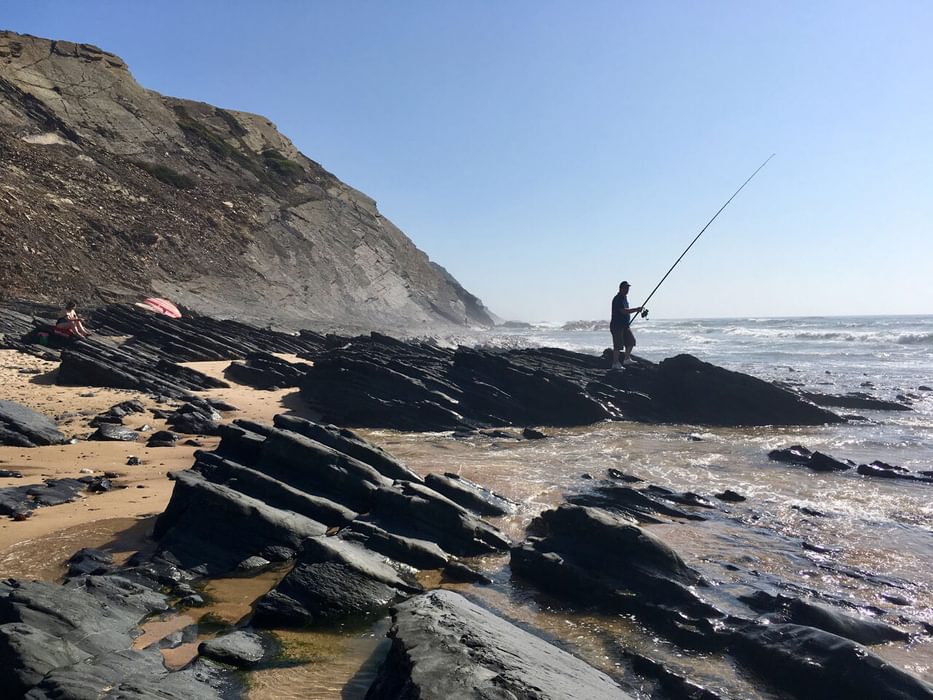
915 339
832 335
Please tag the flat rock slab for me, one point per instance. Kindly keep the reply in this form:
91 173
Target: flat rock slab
22 427
444 647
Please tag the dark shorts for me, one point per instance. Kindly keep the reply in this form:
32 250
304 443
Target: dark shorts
621 337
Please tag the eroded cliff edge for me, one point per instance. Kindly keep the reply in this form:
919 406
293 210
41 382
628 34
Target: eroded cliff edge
109 191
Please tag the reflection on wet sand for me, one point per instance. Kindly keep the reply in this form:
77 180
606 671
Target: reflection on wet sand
44 558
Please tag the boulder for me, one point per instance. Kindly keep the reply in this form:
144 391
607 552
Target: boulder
22 427
444 646
817 461
646 506
262 370
162 438
114 432
241 649
90 561
888 471
611 553
687 390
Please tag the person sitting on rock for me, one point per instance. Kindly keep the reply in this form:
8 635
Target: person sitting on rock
71 323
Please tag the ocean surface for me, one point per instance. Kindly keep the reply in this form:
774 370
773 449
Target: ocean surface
869 541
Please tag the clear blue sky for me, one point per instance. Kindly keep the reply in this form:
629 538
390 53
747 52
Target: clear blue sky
542 151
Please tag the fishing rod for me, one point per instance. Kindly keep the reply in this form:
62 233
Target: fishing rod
644 312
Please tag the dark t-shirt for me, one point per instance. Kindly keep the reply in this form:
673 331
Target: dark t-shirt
619 319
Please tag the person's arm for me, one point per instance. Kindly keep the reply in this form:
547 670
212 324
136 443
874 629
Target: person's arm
633 310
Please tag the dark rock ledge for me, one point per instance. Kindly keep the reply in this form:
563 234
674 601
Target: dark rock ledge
377 381
444 646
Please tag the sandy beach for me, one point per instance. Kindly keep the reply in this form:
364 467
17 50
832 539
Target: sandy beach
120 519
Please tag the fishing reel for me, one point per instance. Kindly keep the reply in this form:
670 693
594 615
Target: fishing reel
644 313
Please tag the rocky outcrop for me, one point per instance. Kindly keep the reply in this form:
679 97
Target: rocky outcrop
857 400
444 646
262 370
75 640
377 381
600 560
209 207
195 337
800 611
594 560
820 462
95 363
344 513
196 525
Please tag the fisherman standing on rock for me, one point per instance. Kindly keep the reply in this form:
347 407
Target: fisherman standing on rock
620 327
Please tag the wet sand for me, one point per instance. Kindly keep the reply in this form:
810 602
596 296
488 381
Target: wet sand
118 520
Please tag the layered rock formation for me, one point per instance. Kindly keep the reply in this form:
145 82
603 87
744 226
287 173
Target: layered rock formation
109 191
382 382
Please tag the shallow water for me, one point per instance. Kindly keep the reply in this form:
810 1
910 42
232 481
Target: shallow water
872 527
43 558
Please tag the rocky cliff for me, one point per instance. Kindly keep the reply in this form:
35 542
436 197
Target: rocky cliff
109 192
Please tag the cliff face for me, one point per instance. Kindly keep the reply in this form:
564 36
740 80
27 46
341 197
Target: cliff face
109 191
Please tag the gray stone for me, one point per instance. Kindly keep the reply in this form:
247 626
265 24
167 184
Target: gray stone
114 432
240 648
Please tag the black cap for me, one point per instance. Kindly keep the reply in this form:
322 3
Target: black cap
624 284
